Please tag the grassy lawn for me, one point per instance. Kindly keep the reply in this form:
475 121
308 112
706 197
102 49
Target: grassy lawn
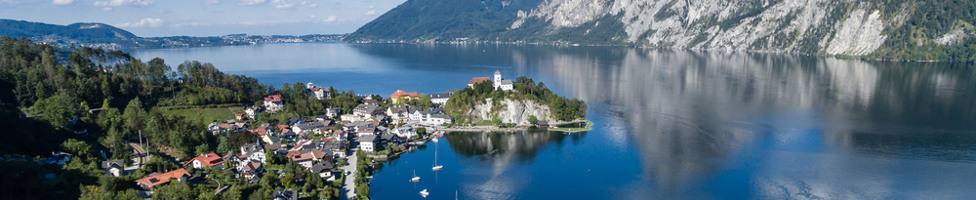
484 123
208 114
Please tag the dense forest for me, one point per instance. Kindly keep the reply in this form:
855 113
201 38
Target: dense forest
92 103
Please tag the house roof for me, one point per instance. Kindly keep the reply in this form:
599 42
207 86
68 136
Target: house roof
478 80
259 131
318 154
253 165
211 159
398 109
298 156
506 82
112 164
367 138
273 98
321 167
154 180
400 93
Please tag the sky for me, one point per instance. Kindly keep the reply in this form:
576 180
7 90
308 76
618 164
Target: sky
151 18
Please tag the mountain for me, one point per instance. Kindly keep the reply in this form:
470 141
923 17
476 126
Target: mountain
109 37
77 32
919 30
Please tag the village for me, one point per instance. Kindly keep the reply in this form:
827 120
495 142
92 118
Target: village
326 145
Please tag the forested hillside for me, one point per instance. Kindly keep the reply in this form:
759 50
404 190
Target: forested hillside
95 100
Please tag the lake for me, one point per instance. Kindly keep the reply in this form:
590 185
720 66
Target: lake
668 124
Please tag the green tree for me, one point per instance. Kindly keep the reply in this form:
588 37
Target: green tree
60 110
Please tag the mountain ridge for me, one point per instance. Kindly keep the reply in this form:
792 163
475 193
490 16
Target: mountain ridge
110 37
913 30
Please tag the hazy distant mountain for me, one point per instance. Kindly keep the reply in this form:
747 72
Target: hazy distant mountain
77 32
899 29
110 37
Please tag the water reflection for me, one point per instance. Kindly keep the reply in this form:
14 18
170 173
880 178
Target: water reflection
504 148
693 115
747 125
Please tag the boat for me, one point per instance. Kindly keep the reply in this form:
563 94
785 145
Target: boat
415 177
435 140
424 193
436 167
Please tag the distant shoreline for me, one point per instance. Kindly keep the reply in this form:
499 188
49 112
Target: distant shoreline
589 126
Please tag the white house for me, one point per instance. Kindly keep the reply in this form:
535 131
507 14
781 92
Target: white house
324 169
405 132
333 112
367 142
440 99
316 91
209 160
416 114
273 103
252 112
254 152
439 119
397 113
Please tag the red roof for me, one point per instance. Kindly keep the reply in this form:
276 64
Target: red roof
478 80
154 180
273 98
209 159
258 131
298 156
400 93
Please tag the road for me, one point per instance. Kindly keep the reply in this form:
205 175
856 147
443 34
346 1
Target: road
350 169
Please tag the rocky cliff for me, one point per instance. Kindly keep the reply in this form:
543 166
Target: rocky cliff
892 29
510 111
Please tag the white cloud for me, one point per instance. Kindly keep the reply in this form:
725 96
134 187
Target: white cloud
282 4
116 3
370 12
145 22
211 2
285 6
251 2
62 2
332 18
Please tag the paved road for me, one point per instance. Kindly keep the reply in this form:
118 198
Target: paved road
350 184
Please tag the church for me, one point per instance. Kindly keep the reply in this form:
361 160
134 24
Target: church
502 84
497 82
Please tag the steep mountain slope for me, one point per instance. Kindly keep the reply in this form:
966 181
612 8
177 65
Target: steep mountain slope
442 20
889 29
78 32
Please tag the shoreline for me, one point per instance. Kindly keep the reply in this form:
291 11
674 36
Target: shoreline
589 126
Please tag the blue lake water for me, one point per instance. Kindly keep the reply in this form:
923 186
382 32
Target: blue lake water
669 124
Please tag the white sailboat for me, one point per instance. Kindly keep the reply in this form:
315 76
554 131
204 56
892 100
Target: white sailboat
436 167
424 193
415 177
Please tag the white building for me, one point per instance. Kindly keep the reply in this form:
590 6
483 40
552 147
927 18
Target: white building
501 84
273 103
440 99
367 142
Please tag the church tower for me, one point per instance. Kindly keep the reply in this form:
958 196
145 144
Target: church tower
498 79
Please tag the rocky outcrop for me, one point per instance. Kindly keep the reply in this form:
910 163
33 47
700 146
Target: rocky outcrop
510 111
789 26
827 27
